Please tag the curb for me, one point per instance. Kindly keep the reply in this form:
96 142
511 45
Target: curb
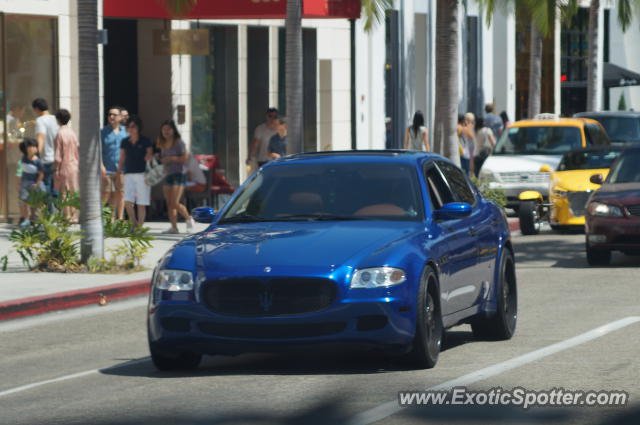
99 295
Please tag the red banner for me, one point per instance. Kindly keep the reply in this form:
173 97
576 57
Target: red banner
231 9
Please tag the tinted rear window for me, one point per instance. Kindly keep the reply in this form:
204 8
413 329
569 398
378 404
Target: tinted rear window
626 169
621 129
587 160
538 140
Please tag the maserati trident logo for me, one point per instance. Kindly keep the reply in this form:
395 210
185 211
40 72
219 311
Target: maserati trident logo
266 300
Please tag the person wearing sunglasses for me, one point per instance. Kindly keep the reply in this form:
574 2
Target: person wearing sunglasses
111 137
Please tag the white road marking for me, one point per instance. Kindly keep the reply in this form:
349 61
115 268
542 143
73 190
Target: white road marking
74 313
68 377
387 409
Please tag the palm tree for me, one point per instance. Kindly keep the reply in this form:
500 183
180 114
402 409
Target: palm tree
446 107
91 244
625 10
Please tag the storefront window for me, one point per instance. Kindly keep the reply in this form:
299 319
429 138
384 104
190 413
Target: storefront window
29 55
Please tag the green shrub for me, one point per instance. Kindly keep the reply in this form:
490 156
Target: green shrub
495 195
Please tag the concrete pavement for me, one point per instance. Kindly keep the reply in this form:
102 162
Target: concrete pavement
26 293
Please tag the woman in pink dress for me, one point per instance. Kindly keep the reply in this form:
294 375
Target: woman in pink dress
66 161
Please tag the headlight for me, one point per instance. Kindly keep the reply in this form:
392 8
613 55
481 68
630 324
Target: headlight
604 210
174 280
487 176
376 277
560 193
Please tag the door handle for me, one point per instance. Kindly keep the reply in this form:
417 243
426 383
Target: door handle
472 231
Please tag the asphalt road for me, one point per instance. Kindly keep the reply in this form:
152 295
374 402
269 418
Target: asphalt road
91 366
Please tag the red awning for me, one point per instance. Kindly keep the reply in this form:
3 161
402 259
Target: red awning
232 9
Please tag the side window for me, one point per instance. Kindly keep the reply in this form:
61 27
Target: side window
597 136
439 192
458 183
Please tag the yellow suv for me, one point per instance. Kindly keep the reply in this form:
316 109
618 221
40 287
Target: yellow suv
525 155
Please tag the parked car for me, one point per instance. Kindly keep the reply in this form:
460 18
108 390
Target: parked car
570 189
621 127
528 151
613 211
381 249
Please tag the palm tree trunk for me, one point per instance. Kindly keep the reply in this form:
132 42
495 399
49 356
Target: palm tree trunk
91 244
293 70
592 61
446 107
535 71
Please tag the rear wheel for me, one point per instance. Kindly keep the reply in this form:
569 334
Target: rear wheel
530 221
597 256
503 324
429 330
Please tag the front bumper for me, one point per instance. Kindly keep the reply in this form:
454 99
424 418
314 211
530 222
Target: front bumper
384 322
613 233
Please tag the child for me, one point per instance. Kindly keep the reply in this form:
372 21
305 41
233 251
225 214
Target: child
32 175
278 142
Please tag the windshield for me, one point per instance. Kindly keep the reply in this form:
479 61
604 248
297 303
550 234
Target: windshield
330 191
587 160
621 129
538 140
626 169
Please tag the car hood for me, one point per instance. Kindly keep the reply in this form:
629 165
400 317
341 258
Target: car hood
576 180
297 244
505 163
619 193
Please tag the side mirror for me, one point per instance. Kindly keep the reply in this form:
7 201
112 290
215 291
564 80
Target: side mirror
453 211
596 179
545 169
203 214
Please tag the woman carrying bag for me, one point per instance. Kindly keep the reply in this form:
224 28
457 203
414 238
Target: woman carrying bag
174 155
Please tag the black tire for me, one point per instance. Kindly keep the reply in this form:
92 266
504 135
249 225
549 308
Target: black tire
429 329
597 256
502 325
185 360
530 221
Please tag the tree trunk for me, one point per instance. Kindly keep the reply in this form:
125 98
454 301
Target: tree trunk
535 71
293 70
592 60
446 108
91 244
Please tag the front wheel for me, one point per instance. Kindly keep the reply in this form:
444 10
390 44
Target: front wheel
185 360
429 329
530 220
503 324
597 256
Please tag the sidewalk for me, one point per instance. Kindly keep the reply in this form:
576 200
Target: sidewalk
24 293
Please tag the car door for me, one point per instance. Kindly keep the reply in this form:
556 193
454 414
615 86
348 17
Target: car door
460 261
479 232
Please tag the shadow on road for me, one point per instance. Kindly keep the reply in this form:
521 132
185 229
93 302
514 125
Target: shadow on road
562 251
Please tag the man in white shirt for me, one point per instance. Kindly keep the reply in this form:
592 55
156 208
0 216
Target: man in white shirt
261 136
46 131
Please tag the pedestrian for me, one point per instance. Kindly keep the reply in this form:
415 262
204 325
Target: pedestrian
278 142
32 177
466 141
485 142
174 156
135 151
66 162
124 116
491 120
46 131
258 153
111 137
416 137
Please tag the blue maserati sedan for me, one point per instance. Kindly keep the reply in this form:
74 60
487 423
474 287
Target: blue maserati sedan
377 249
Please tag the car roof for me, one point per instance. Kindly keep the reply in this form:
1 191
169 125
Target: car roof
386 155
622 114
556 122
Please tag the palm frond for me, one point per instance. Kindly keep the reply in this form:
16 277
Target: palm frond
374 11
179 7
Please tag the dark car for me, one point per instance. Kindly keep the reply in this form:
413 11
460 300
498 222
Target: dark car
622 127
380 249
613 211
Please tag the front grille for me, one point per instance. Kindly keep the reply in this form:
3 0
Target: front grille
251 297
524 177
302 330
578 202
634 210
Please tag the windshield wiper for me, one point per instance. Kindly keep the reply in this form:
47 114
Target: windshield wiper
318 217
243 218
